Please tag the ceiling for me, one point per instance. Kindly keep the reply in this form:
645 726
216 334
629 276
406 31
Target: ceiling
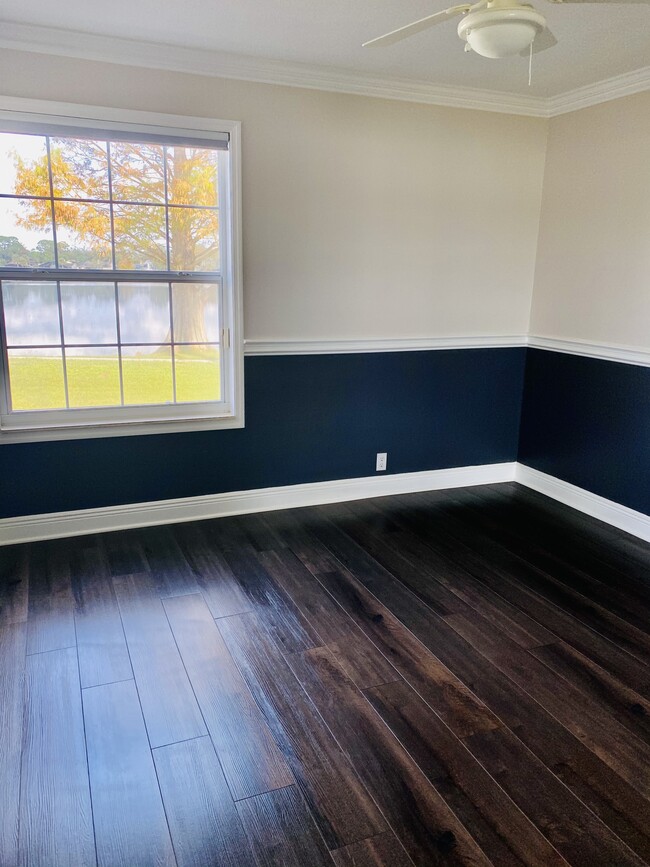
596 41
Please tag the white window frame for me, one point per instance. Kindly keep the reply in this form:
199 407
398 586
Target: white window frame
156 419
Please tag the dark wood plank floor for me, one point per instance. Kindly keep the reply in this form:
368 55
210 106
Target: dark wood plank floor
450 678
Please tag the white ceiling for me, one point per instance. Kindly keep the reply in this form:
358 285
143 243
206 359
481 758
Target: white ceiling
596 41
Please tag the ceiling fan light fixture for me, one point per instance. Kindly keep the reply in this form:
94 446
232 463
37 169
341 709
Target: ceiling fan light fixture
501 32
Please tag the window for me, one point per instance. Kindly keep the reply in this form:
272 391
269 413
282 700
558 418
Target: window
119 289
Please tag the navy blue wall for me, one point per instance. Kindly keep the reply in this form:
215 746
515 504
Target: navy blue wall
587 421
308 418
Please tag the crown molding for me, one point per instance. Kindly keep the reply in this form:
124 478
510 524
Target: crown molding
67 43
215 64
601 91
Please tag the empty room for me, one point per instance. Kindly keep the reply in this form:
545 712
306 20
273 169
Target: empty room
325 434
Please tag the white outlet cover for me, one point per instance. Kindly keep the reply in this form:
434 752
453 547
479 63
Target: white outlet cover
382 460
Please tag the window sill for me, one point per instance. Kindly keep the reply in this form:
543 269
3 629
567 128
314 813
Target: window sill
118 429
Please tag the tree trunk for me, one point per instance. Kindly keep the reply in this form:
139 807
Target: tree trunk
189 315
189 301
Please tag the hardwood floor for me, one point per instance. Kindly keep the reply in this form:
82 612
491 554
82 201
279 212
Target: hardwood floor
450 678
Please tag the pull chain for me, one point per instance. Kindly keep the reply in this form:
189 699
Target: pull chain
530 64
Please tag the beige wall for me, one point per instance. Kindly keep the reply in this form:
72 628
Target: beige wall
592 278
363 218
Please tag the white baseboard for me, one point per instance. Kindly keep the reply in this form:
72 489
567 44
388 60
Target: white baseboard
33 528
608 511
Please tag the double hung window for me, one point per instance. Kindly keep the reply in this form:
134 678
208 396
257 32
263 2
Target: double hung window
119 286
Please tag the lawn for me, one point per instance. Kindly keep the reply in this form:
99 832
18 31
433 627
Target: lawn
37 382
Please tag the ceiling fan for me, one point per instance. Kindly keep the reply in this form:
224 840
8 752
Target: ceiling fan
491 28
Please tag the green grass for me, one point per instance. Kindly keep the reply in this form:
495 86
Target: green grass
37 382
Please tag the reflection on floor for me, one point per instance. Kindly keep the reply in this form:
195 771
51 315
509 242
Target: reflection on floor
457 678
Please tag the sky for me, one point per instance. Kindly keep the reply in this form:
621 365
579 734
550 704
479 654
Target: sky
31 147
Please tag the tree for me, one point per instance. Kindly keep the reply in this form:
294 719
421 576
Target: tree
140 173
12 252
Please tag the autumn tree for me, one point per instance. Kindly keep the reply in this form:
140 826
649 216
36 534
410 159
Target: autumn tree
142 178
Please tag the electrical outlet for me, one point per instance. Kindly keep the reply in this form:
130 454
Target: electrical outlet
382 459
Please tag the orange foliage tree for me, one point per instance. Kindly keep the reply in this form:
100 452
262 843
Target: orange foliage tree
142 178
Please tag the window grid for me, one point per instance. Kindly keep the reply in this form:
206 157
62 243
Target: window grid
169 259
92 202
112 345
63 356
171 304
119 344
111 202
52 209
110 205
171 336
113 262
84 201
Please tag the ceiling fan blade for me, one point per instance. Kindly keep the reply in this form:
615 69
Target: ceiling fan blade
543 41
417 26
